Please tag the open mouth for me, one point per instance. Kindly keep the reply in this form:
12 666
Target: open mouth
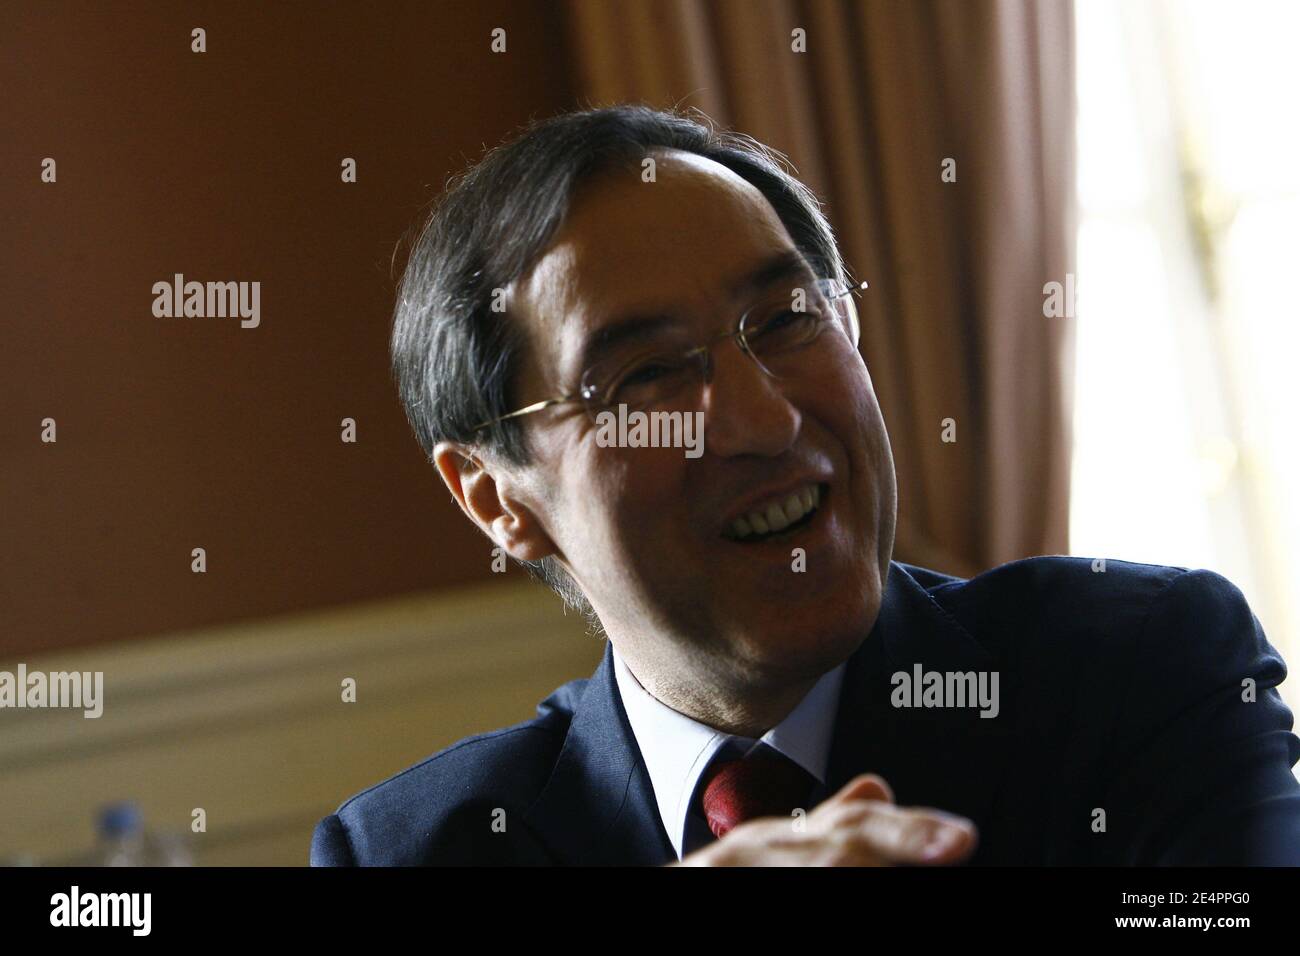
779 518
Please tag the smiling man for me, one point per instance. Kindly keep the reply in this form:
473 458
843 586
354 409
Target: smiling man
775 688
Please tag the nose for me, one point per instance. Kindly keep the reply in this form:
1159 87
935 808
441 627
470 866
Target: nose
745 410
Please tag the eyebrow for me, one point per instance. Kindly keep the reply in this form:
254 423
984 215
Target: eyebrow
642 325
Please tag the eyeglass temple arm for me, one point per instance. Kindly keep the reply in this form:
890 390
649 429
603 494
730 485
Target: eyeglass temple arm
527 410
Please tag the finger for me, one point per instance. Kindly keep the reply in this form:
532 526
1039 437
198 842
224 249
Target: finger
867 786
953 838
918 836
762 842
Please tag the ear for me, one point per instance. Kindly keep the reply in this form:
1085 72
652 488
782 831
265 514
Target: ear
494 499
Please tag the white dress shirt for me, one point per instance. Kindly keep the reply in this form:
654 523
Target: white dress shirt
677 749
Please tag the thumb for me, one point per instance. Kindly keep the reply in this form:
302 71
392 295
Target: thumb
866 786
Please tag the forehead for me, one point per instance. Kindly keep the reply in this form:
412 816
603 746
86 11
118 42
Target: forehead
628 245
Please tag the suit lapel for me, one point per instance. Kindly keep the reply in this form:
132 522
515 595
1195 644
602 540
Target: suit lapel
598 807
942 757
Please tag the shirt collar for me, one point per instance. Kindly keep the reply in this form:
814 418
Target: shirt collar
677 748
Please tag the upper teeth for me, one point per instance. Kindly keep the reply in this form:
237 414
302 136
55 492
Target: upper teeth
777 514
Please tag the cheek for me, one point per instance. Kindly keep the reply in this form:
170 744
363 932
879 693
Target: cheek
624 496
854 416
872 422
879 466
848 400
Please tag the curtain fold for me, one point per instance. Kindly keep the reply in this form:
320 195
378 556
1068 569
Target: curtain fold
953 323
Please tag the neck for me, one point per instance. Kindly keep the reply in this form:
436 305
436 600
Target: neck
744 709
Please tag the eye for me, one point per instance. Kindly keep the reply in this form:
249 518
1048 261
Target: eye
785 328
650 380
646 373
781 319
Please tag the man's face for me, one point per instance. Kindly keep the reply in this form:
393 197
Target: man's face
648 533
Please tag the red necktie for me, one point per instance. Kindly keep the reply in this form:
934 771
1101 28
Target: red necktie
765 784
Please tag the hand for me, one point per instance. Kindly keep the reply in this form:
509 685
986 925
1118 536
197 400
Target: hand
859 826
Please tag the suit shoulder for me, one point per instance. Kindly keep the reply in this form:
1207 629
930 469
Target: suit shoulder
1201 637
1046 573
1068 594
1100 625
417 814
1056 620
487 761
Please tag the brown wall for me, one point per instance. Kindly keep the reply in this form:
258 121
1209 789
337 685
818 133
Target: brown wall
178 433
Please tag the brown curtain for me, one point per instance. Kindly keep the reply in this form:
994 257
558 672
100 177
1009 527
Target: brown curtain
953 323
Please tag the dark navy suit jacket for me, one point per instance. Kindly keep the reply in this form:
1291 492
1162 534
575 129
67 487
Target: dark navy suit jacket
1126 735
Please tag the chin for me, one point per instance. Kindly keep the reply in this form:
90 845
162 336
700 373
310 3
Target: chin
805 640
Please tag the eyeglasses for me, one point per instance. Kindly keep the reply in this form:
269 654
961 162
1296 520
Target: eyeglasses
773 332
